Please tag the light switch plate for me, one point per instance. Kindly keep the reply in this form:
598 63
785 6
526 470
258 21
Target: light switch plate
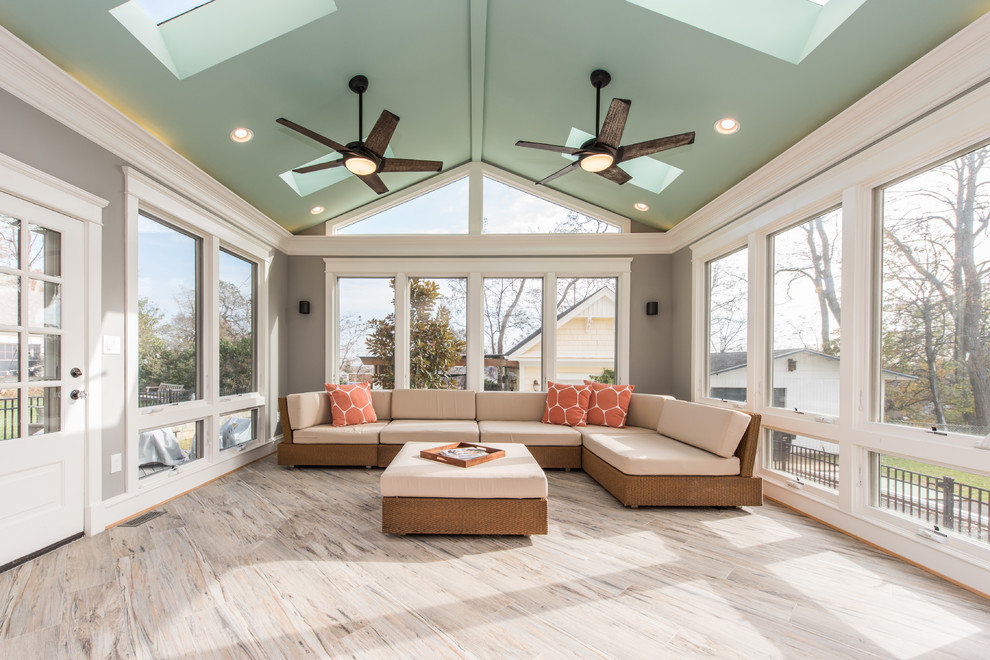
111 345
115 463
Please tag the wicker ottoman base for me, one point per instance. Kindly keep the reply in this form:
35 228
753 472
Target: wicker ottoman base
437 515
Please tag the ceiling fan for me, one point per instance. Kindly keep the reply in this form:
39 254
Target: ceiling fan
365 158
602 154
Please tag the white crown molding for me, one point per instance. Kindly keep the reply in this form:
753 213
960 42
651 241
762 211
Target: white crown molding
33 185
947 71
486 245
31 77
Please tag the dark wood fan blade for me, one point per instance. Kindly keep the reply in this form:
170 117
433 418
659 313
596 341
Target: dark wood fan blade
561 172
319 166
410 165
375 183
570 151
380 135
615 122
614 174
655 146
339 148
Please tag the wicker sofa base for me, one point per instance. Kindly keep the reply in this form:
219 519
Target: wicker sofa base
437 515
635 490
547 457
295 454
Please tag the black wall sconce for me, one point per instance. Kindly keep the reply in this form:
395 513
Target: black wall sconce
304 307
652 308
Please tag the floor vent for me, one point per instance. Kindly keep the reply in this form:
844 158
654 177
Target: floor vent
143 518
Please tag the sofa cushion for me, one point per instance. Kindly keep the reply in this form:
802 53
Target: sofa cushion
567 404
590 429
644 410
711 428
382 401
653 454
351 404
328 434
609 404
514 476
511 406
528 433
308 409
437 431
432 404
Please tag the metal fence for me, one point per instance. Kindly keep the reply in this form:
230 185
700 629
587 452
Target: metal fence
10 418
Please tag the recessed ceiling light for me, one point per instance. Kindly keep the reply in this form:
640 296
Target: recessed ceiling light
241 134
640 206
727 126
316 210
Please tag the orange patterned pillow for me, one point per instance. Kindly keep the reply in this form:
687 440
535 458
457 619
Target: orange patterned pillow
567 404
609 404
351 404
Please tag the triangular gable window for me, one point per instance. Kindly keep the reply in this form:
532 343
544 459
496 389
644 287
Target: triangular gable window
508 210
440 211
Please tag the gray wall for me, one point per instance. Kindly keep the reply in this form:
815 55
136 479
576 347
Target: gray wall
34 138
680 329
650 345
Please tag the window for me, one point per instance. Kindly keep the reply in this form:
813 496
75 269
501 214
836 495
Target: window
237 296
440 211
586 312
238 428
807 267
805 459
168 314
935 298
366 331
165 448
437 324
727 318
513 324
508 210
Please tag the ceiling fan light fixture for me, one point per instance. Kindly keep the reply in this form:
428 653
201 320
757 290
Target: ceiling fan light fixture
727 126
360 165
596 162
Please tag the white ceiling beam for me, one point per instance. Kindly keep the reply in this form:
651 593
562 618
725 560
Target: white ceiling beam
479 44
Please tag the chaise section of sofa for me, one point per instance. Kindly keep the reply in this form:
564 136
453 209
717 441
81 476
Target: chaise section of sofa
700 455
310 438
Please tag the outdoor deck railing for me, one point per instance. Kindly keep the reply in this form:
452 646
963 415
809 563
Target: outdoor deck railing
10 420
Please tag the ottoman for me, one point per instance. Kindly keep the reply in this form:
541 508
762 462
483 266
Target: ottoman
505 496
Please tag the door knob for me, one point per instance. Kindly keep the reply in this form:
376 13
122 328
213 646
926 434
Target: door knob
75 395
76 372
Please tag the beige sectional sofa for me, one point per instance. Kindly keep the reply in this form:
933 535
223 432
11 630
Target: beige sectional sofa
671 453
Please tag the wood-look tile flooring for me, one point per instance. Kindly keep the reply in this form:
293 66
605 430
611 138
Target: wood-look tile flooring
276 563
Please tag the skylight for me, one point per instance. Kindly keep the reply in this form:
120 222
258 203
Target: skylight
161 11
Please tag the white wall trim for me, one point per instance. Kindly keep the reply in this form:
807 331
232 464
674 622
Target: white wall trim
28 75
947 71
37 187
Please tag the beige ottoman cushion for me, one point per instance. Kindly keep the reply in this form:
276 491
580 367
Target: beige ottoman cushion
529 433
514 476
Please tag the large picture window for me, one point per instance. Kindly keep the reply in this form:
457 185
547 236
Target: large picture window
513 325
935 298
437 325
169 298
366 331
237 304
586 312
728 284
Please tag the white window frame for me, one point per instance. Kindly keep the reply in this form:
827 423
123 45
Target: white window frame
144 195
475 270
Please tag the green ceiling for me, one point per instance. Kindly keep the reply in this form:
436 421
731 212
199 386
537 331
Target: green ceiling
517 68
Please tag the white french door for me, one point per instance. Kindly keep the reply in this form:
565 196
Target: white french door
42 378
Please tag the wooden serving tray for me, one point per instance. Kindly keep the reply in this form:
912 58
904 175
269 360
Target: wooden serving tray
434 454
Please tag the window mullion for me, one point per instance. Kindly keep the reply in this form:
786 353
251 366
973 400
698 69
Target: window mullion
475 350
210 344
549 338
401 331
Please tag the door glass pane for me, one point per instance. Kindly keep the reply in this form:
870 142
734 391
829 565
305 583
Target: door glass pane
586 329
45 251
10 242
807 267
44 304
44 410
237 295
366 332
10 416
727 318
10 299
10 357
168 447
168 314
44 357
513 324
437 322
239 427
